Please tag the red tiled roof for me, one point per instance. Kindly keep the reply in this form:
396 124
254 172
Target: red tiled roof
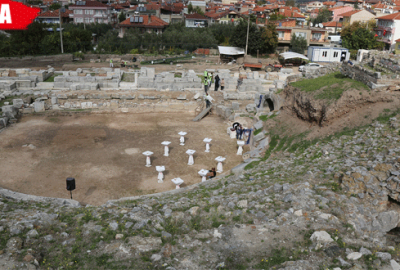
393 16
216 15
154 23
379 5
290 14
195 16
91 4
332 24
290 8
152 6
55 14
397 40
329 3
117 6
349 13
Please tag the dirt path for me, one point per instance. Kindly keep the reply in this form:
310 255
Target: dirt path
104 153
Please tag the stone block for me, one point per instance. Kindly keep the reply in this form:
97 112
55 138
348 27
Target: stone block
287 70
259 137
256 75
54 100
181 97
235 106
39 106
18 103
86 105
114 103
259 124
3 122
251 108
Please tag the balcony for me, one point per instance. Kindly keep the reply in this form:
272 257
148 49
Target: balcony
383 28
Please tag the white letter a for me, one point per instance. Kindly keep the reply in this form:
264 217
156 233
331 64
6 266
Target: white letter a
5 14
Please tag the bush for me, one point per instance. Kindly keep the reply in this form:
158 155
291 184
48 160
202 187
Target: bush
79 55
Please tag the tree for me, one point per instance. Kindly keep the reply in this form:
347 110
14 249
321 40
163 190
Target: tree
298 44
190 8
55 6
198 10
360 36
269 36
276 16
239 35
324 15
122 17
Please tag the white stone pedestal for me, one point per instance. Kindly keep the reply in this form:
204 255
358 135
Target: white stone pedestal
203 174
177 181
233 134
240 149
182 140
190 152
160 170
207 141
166 149
148 161
219 166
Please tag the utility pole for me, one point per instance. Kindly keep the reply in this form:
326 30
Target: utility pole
62 10
247 39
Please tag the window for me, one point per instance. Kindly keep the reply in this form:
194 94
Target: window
335 54
89 11
324 54
79 20
87 20
281 34
99 20
316 36
99 12
301 34
78 11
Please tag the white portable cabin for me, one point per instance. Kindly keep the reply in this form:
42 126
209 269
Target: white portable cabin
327 54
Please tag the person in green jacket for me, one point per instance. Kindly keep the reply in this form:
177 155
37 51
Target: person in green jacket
111 63
205 84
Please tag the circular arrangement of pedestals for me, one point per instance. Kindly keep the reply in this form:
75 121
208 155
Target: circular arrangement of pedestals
203 173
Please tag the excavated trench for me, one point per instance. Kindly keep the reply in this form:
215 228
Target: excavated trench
322 111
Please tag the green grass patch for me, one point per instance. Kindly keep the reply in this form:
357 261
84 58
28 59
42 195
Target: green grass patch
266 117
257 131
330 86
51 79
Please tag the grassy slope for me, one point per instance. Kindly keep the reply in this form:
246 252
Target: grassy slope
335 84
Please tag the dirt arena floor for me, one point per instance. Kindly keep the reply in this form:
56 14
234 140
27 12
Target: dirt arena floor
104 153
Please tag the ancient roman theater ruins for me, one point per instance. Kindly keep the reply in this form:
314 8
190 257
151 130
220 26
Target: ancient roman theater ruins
96 125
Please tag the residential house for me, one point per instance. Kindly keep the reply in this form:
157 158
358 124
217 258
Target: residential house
231 16
201 4
350 3
338 11
90 12
292 13
357 16
195 20
172 13
388 29
53 16
214 17
329 4
332 27
313 35
384 9
313 5
145 23
285 23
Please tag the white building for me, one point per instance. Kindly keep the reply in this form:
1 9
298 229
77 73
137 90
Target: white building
327 54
